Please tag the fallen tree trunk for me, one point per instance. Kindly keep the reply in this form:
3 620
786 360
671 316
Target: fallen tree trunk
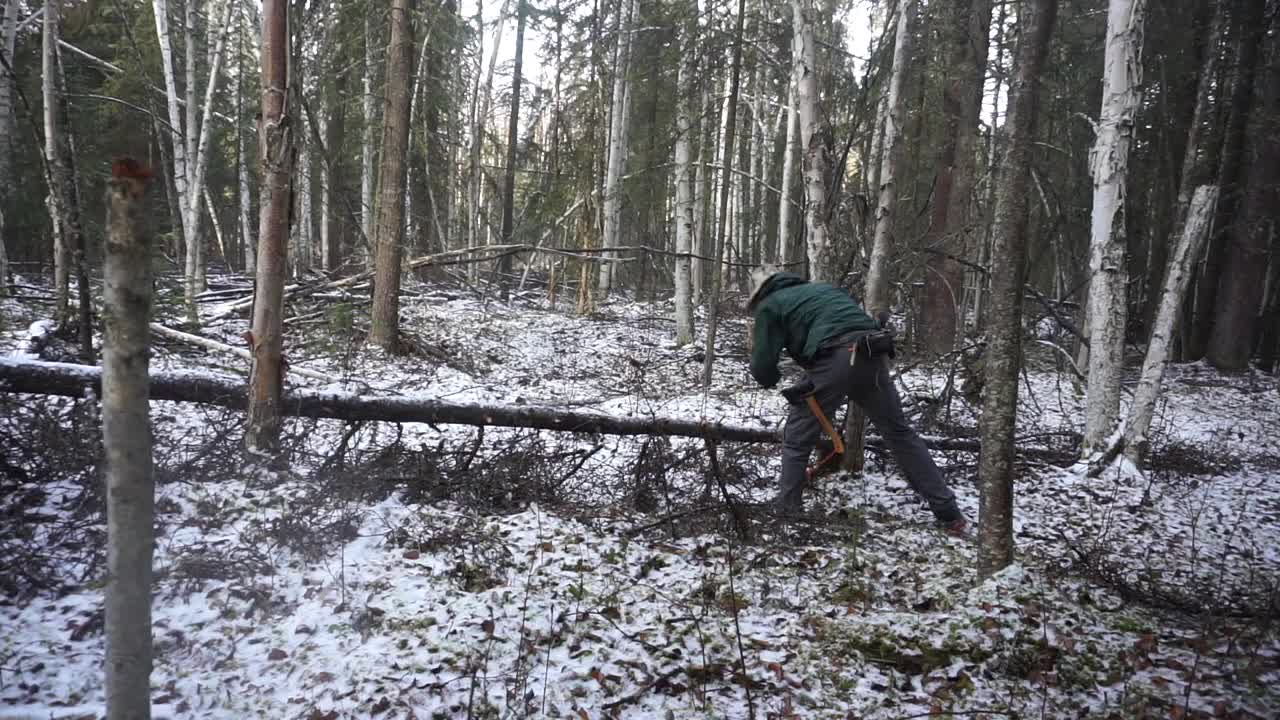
71 380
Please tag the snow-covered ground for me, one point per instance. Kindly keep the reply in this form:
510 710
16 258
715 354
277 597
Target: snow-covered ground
439 572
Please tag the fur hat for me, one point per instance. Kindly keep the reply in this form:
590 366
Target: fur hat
759 276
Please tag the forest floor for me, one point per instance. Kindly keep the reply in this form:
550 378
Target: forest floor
447 572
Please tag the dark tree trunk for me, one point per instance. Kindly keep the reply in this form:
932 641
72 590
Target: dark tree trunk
967 25
1244 273
1248 29
335 133
389 214
1008 275
513 139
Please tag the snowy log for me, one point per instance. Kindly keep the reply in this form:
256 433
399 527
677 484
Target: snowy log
71 380
76 380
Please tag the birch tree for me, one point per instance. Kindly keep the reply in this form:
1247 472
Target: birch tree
53 161
1194 227
685 176
1008 276
190 139
722 213
876 295
368 137
275 152
619 129
389 225
1109 166
126 440
812 141
785 202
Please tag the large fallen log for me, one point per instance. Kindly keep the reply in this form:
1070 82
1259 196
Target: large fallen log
71 380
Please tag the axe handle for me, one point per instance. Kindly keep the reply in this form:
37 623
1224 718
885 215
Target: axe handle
836 441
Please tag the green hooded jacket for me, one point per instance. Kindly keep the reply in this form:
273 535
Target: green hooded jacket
793 313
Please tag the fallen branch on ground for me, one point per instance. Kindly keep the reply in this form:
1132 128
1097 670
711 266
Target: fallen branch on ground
71 380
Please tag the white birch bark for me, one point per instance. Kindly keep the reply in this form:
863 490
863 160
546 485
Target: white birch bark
479 121
819 247
368 139
126 440
877 296
195 269
248 246
1177 278
53 160
684 188
190 89
303 225
619 129
785 201
1109 165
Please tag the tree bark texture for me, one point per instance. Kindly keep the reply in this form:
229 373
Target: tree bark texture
722 213
1240 292
1195 226
368 136
388 227
1109 165
53 161
820 249
685 176
876 295
967 26
275 152
1008 276
513 139
619 130
126 440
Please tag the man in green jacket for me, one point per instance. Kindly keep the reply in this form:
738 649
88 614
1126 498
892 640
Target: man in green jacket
824 330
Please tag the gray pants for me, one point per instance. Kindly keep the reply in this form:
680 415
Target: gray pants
867 383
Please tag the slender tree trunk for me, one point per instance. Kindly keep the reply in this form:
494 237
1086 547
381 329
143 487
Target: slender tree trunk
195 270
813 141
970 26
713 304
619 129
385 332
8 36
303 225
275 152
685 89
1008 276
53 160
178 138
1194 226
1109 161
697 271
368 138
1240 292
513 139
335 131
71 218
1196 153
126 439
877 296
1249 30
